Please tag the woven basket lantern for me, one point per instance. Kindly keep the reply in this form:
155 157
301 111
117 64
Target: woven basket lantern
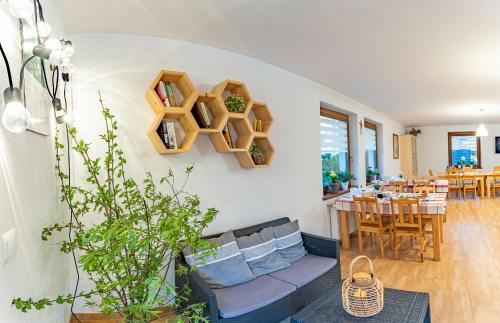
362 293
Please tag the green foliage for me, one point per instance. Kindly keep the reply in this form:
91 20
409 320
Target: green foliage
126 234
256 149
370 171
329 163
465 162
235 103
344 177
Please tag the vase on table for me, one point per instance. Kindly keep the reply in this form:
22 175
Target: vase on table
344 186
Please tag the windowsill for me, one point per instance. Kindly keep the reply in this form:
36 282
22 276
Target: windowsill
333 195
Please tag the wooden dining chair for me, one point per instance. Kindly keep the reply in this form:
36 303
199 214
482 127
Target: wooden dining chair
407 222
394 186
468 169
469 183
495 180
369 217
424 189
454 178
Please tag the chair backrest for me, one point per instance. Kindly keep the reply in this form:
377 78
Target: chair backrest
394 186
424 189
406 213
496 175
467 169
469 179
367 210
453 171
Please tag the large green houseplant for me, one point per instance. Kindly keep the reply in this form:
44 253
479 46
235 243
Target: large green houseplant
125 234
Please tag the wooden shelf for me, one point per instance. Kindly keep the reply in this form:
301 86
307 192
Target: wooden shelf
186 133
260 111
216 109
245 158
241 133
183 88
228 87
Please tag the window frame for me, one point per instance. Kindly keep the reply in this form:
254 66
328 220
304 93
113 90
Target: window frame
373 126
332 114
464 133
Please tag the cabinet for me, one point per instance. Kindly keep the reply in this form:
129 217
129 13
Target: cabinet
408 154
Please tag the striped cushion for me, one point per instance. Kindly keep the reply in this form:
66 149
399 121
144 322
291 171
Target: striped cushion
225 268
289 241
259 251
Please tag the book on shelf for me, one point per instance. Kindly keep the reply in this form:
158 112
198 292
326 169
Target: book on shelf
170 94
206 114
227 137
201 115
172 138
162 93
231 139
163 132
198 117
257 125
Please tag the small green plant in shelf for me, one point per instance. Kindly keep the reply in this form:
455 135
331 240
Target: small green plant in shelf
257 154
235 103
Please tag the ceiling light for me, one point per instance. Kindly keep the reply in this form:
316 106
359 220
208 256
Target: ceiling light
53 43
44 29
68 48
54 56
21 8
15 117
482 131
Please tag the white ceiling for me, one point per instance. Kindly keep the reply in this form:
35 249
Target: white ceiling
423 62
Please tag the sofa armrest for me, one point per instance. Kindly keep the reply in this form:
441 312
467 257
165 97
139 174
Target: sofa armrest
321 246
200 293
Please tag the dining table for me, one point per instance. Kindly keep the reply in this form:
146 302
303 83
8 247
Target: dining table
432 207
482 177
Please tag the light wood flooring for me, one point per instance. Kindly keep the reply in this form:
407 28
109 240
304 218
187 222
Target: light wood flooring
465 285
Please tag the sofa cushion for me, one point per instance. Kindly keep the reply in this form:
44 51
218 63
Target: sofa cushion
289 241
225 268
305 270
247 297
259 251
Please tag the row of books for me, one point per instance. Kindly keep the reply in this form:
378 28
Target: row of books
228 136
257 125
202 115
166 131
166 93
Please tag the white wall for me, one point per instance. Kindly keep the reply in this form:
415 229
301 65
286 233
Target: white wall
28 201
123 67
432 147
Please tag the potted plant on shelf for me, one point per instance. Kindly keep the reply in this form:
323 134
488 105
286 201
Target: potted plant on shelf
345 178
125 234
371 174
335 182
257 154
235 103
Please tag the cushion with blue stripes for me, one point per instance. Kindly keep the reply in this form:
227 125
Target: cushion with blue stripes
259 251
289 241
222 268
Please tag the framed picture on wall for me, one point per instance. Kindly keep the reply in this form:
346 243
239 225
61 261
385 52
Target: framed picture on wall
395 146
497 145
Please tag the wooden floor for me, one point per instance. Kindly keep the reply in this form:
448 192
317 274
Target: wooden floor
465 285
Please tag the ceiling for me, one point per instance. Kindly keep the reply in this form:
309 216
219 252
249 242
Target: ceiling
423 62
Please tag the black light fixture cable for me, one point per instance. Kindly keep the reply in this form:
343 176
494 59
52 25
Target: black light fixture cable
7 66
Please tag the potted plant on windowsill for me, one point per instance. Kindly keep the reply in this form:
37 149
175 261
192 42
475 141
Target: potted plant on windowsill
124 234
371 174
345 178
335 182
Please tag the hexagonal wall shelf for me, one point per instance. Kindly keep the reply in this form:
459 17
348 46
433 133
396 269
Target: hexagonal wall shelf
186 132
228 87
209 109
236 136
183 92
260 118
245 158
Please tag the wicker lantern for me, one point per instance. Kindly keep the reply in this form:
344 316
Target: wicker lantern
362 293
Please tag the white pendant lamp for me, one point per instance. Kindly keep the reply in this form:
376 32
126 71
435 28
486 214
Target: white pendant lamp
482 131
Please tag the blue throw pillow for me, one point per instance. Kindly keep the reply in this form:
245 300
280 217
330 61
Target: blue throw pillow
259 251
289 241
226 268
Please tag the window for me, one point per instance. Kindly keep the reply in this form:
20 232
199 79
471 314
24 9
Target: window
334 127
371 145
464 148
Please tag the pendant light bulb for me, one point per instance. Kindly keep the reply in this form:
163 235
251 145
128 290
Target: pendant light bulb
53 44
482 131
21 8
15 117
44 29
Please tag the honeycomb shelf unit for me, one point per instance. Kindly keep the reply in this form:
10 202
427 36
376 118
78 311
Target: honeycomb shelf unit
189 122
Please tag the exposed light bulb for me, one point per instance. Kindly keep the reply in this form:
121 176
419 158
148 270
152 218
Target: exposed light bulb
69 50
482 131
21 8
69 118
44 29
15 117
53 44
58 57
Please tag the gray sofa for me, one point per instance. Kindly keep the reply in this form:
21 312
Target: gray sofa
272 297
